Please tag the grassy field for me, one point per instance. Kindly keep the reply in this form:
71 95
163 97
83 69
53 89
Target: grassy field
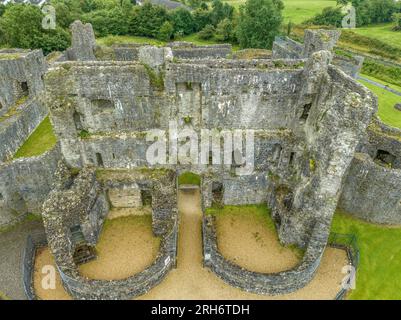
378 276
387 113
297 11
381 32
40 141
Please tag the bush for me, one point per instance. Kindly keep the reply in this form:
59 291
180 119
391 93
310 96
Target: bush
147 20
182 21
397 21
201 19
329 17
165 32
220 11
108 22
21 27
373 11
207 32
225 31
259 22
386 73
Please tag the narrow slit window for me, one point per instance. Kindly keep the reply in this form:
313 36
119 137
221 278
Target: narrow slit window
305 112
99 160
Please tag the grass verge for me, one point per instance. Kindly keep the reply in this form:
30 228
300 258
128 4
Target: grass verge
378 275
387 113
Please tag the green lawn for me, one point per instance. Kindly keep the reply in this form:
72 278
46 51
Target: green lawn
40 141
378 276
297 11
189 178
381 32
387 113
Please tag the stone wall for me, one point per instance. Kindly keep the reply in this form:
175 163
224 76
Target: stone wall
372 192
82 202
350 65
84 289
314 41
14 130
339 110
21 73
146 187
372 189
261 283
25 184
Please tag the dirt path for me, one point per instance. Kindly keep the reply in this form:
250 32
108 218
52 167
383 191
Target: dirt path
191 281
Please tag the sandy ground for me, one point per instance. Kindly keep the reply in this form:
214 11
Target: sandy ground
45 258
126 247
127 240
191 281
257 249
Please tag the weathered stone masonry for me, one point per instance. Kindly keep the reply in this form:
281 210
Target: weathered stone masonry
308 117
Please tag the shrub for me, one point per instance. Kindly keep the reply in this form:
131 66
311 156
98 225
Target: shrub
182 21
397 21
165 32
201 18
21 27
259 22
108 22
329 17
225 31
147 20
207 32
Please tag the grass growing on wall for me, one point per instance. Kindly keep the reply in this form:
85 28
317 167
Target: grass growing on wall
40 141
387 113
378 275
110 40
189 178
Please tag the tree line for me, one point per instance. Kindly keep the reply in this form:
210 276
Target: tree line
367 12
255 24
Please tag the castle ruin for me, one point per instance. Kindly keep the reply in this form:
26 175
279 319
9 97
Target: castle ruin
317 145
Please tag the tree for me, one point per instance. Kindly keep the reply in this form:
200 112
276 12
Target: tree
2 9
329 17
201 18
182 21
225 31
147 20
397 21
21 27
207 32
259 22
105 22
220 11
166 31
